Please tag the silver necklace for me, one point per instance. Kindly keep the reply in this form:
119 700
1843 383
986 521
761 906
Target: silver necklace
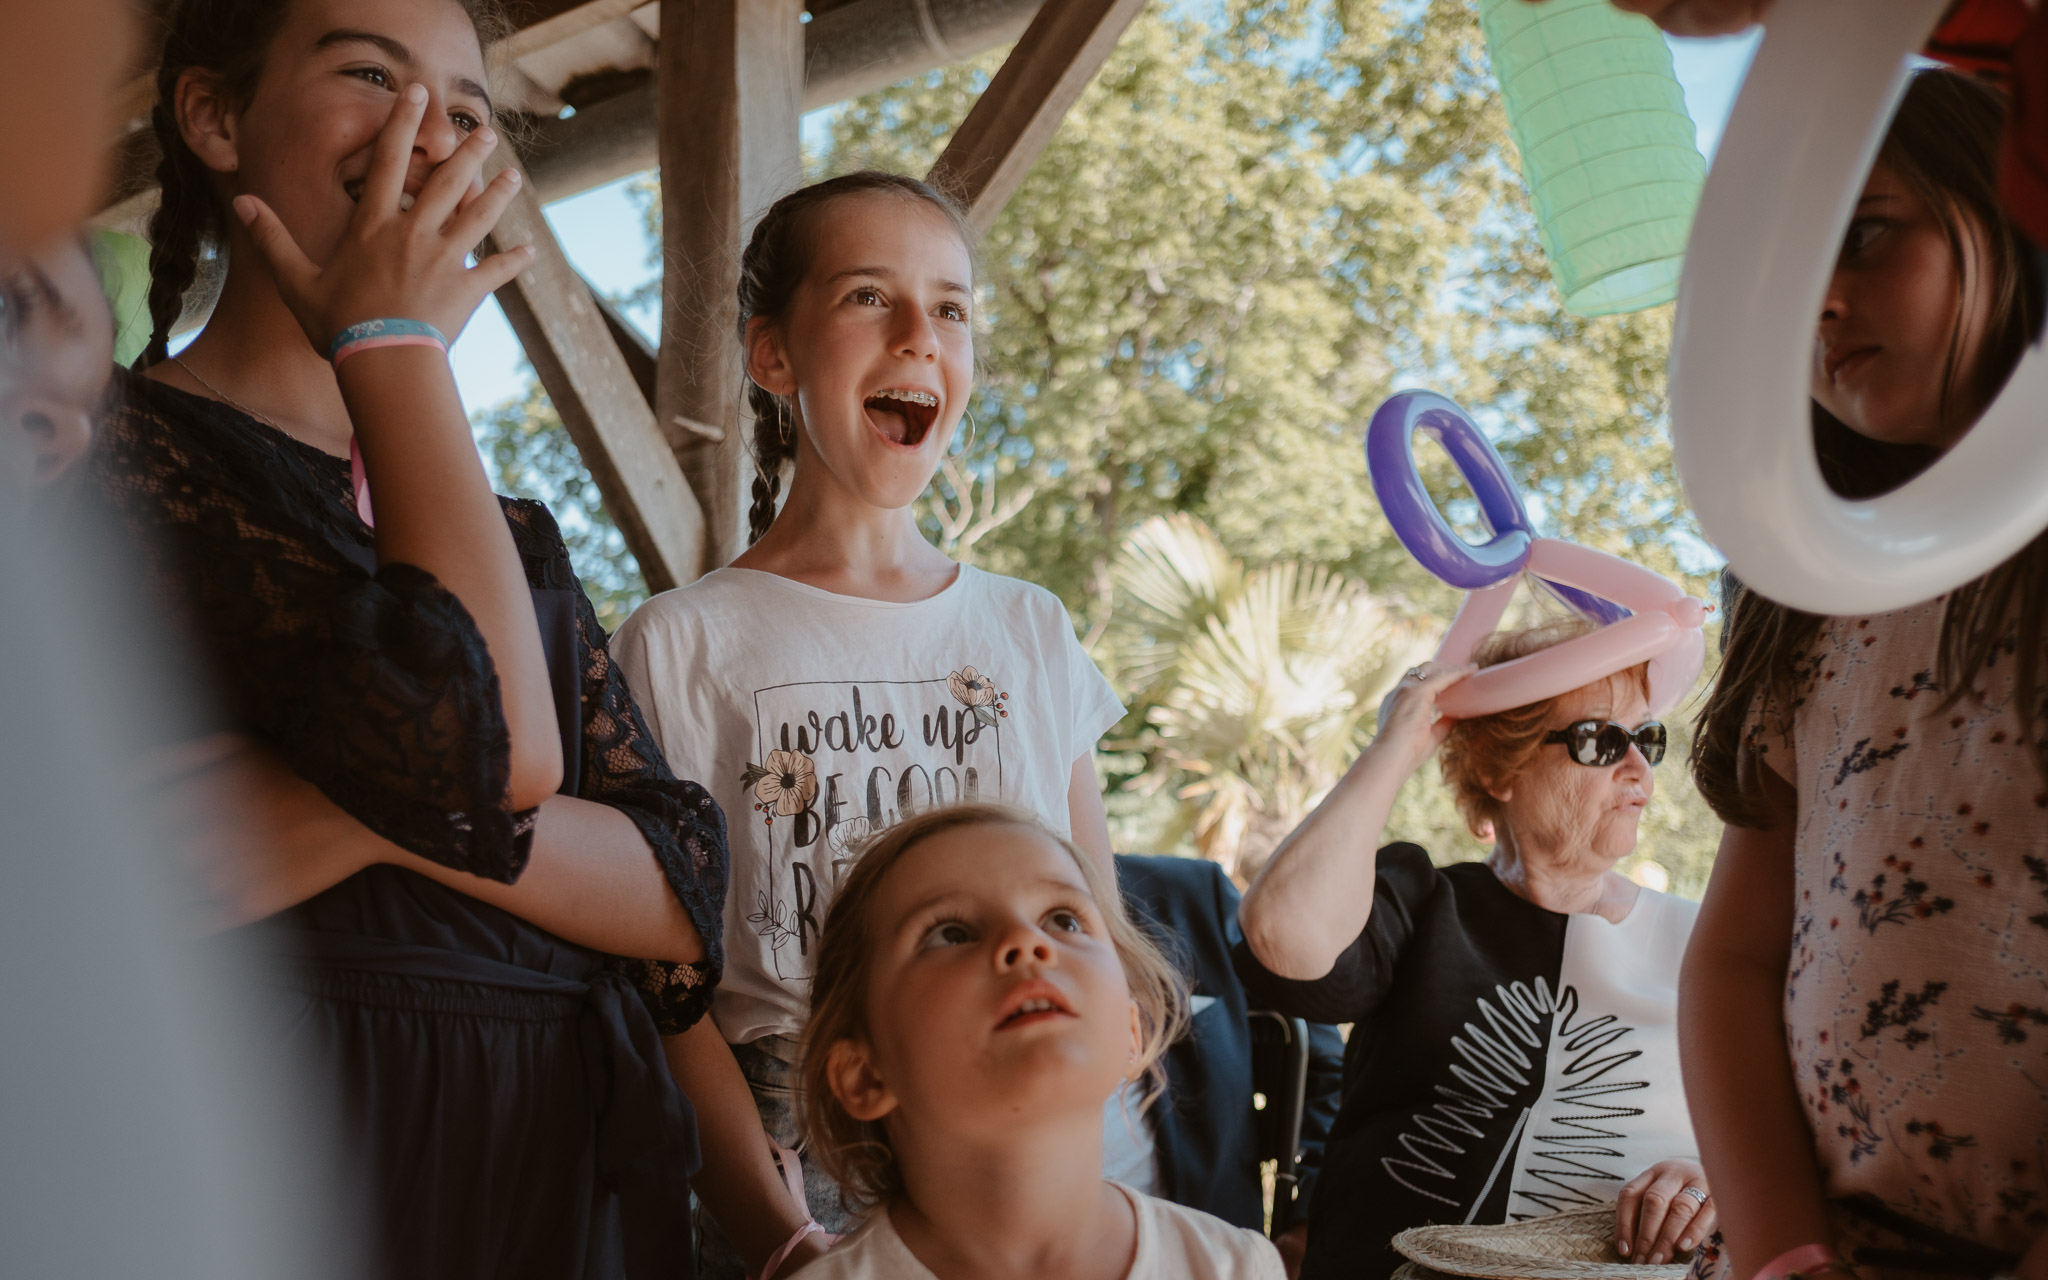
230 400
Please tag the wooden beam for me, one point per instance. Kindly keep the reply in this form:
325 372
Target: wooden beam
593 389
536 24
995 146
729 76
637 352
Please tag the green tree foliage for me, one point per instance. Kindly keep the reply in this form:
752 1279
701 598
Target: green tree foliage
527 452
1253 683
1259 220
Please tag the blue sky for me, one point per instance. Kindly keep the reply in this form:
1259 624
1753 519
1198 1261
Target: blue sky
602 231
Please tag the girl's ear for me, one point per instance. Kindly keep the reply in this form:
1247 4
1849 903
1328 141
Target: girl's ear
767 359
855 1083
206 121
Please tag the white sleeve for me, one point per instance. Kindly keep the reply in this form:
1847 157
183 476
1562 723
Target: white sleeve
1095 706
644 649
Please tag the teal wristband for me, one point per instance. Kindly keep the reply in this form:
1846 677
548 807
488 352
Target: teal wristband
370 334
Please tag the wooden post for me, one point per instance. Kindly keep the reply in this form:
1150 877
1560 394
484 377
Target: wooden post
1058 54
592 386
729 74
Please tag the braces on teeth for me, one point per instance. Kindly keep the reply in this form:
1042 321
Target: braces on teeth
925 398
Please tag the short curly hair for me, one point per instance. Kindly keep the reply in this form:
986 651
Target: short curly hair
857 1153
1486 752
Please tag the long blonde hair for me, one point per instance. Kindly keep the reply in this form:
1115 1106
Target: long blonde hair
857 1153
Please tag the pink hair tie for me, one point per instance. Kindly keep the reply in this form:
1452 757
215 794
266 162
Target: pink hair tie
1796 1261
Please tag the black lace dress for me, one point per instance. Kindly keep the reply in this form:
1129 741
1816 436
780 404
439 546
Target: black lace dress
502 1095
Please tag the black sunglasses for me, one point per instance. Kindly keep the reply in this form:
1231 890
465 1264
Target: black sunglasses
1599 743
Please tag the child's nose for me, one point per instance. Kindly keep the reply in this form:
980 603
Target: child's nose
438 136
919 339
1025 944
1834 304
52 436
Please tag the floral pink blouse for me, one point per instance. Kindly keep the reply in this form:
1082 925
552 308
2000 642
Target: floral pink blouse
1916 1004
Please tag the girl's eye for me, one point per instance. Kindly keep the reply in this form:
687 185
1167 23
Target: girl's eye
1862 233
947 933
466 122
375 75
866 297
952 311
1065 921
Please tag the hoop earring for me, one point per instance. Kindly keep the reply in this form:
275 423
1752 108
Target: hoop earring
972 433
782 424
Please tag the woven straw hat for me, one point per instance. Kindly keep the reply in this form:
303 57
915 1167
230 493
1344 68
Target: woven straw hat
1563 1246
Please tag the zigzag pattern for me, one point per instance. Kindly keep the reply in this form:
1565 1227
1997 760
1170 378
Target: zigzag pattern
1497 1063
1584 1138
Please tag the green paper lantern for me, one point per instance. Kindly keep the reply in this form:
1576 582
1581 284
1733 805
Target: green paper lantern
1610 156
123 262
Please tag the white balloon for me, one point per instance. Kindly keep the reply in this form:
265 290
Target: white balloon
1785 181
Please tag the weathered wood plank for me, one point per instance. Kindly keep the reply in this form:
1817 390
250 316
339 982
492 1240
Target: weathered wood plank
540 23
730 86
1058 54
594 391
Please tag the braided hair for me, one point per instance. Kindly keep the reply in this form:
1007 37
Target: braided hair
229 39
774 264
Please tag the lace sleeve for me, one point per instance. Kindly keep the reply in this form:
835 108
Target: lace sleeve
372 682
622 767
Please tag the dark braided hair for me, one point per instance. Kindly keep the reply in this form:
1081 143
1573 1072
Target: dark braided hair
231 40
776 260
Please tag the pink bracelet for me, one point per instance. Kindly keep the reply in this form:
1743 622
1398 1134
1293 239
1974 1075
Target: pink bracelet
793 1178
781 1255
1806 1257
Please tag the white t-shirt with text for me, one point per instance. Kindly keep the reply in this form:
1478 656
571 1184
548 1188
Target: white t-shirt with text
1174 1243
816 719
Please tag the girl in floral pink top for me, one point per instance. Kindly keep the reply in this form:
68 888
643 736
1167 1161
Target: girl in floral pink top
1864 1012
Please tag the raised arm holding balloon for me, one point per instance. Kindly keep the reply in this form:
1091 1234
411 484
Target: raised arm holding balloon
1549 740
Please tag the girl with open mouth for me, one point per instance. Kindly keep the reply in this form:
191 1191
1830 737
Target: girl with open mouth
843 673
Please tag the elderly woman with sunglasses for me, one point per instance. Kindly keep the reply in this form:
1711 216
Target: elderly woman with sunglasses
1515 1051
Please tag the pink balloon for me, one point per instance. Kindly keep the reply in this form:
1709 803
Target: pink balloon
1665 632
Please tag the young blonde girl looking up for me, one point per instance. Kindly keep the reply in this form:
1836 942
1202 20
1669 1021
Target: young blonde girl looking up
980 993
843 674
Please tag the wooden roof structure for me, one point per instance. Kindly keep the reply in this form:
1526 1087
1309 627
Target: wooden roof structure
710 93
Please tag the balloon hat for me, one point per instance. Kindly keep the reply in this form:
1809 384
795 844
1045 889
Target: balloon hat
1642 616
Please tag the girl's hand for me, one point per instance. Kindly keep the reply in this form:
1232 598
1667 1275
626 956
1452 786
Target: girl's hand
1655 1217
1410 727
1699 17
398 263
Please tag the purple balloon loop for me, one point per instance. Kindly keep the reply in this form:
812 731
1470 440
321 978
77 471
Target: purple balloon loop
1390 461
